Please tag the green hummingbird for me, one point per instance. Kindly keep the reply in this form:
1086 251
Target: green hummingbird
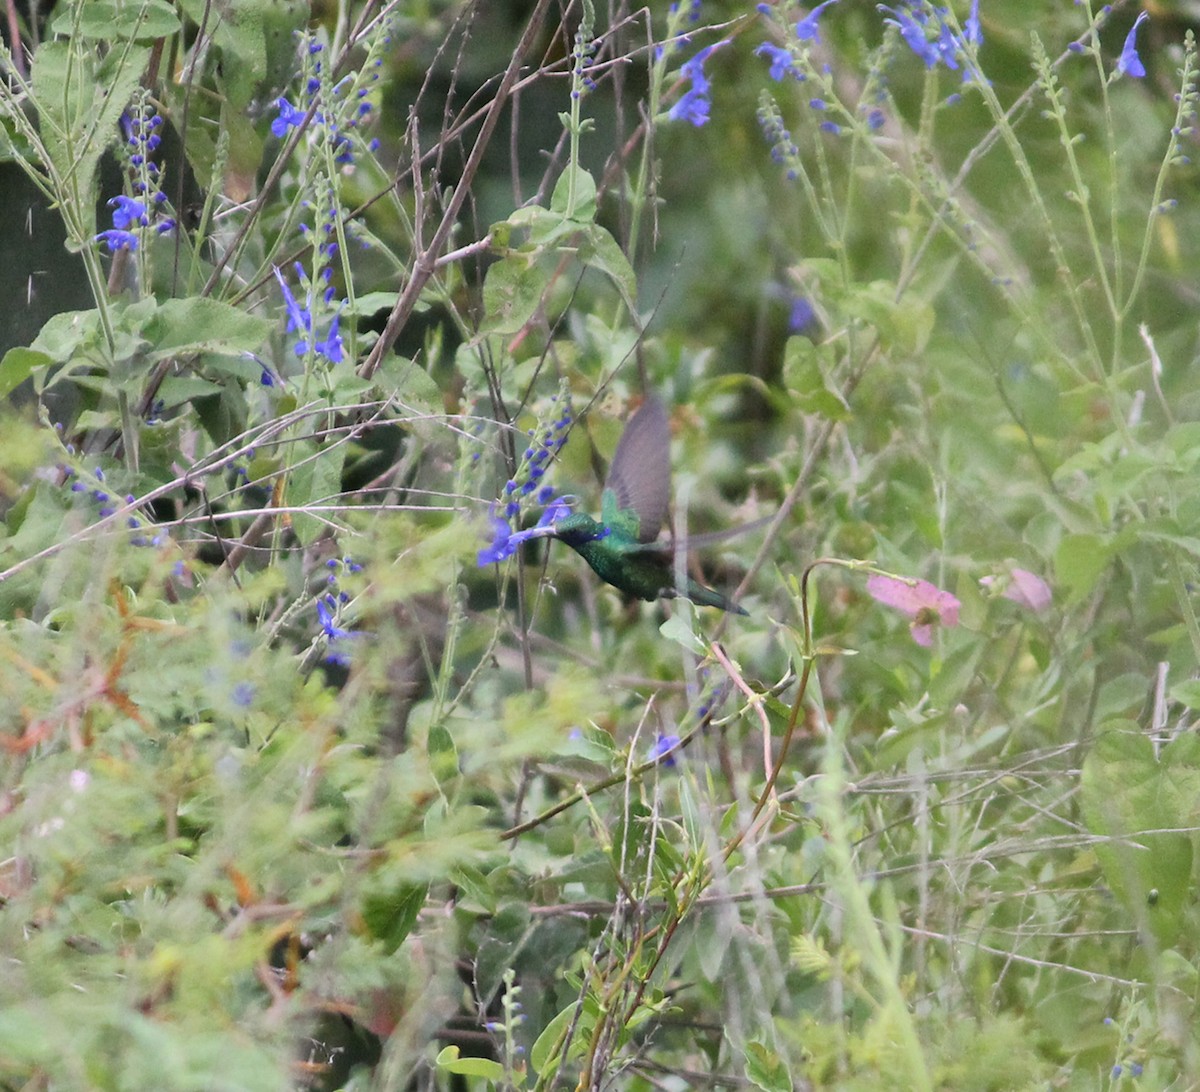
621 546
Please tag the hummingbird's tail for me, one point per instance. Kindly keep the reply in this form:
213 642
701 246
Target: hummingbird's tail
706 597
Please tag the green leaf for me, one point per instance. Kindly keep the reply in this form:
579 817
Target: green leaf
579 205
545 1053
79 105
195 324
544 227
512 292
475 893
443 756
677 628
69 334
766 1069
1187 693
391 915
315 479
450 1061
410 385
17 366
104 20
1138 802
804 367
239 34
1079 562
176 390
604 253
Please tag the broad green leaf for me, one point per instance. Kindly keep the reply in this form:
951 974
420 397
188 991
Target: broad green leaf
544 227
190 325
107 21
579 205
410 385
79 104
604 253
1138 802
176 390
391 914
475 893
1079 562
17 366
1187 693
512 292
678 628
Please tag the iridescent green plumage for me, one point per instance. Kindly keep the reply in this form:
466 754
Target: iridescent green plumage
620 546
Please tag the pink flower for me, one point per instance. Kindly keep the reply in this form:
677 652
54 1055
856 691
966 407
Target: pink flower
1024 588
926 605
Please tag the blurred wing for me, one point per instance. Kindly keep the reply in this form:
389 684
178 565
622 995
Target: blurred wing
698 542
639 479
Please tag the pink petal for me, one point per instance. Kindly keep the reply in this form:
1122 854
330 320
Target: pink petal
1028 590
894 593
947 608
913 598
923 635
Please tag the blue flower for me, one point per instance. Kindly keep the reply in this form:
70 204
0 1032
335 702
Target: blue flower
331 347
694 104
557 509
806 29
947 46
118 240
662 745
972 31
326 606
127 211
289 116
802 319
500 548
912 30
243 695
505 541
1129 63
299 318
781 61
693 107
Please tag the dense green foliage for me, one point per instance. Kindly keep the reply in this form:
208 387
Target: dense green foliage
316 774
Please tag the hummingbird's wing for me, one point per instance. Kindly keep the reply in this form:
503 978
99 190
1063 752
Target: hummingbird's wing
667 547
638 490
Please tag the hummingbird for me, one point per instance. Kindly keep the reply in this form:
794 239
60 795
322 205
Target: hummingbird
621 546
